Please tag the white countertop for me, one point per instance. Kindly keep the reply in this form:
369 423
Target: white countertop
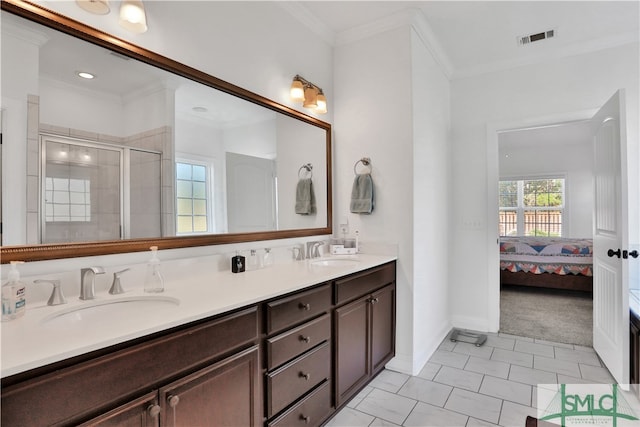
29 342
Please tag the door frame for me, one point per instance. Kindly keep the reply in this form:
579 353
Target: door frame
493 176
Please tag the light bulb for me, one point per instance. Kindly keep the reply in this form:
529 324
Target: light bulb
321 100
310 97
132 16
297 91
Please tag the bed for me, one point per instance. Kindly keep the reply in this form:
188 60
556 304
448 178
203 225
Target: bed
547 262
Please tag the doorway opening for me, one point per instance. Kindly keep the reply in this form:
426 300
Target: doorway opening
545 198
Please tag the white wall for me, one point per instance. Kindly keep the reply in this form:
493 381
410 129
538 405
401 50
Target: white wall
19 65
374 119
574 162
392 105
572 86
431 202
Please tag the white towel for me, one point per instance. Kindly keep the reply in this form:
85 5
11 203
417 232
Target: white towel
362 194
305 198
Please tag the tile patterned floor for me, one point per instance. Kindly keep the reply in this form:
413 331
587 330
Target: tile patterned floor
465 385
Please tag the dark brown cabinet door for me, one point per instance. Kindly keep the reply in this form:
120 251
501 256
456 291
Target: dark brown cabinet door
352 347
365 340
382 327
142 412
227 393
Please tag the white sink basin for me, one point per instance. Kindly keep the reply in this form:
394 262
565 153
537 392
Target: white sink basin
108 311
335 262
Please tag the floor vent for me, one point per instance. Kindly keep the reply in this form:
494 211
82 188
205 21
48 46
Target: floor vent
531 38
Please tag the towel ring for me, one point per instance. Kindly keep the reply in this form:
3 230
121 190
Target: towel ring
308 170
366 161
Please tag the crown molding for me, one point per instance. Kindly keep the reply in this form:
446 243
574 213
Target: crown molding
308 19
430 41
413 18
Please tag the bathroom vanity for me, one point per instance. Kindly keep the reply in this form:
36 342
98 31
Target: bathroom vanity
290 354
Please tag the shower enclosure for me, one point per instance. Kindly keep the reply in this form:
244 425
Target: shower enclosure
96 191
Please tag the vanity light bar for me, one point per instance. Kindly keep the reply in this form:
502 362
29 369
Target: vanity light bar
311 96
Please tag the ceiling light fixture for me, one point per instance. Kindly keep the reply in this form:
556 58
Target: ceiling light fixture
133 16
86 75
97 7
309 94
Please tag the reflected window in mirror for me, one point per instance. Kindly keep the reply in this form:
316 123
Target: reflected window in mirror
193 197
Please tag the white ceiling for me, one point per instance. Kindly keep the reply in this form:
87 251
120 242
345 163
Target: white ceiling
480 36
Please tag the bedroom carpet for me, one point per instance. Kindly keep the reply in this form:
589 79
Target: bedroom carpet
547 314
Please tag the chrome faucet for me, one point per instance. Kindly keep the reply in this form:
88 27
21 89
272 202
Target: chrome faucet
298 252
57 297
88 282
313 249
116 286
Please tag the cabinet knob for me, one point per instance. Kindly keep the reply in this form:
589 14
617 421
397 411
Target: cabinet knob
153 410
373 300
305 339
305 307
173 400
306 419
305 376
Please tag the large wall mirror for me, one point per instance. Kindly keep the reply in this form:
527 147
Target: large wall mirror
148 152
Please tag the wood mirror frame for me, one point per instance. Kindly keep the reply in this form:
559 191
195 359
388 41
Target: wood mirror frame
74 28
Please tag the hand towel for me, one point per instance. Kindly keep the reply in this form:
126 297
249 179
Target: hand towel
305 199
362 194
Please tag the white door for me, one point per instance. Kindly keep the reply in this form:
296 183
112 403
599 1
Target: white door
250 193
610 270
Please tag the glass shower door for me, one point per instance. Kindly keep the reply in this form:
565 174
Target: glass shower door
82 192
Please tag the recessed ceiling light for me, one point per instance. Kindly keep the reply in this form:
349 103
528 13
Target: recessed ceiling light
200 109
85 75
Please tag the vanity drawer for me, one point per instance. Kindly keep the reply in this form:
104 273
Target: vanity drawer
360 284
288 383
294 342
309 412
297 308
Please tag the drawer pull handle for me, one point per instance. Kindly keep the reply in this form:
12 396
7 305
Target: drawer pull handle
306 419
305 307
305 339
173 400
305 376
153 410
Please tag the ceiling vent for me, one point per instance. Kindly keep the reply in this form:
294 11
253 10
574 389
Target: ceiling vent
531 38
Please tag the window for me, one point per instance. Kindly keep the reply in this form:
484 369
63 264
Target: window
67 199
531 207
192 210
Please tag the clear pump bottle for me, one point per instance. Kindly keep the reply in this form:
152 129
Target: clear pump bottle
13 295
153 281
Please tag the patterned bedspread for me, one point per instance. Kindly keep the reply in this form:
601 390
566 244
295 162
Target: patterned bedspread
547 255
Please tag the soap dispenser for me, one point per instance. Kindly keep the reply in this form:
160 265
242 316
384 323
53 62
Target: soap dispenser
14 302
153 281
